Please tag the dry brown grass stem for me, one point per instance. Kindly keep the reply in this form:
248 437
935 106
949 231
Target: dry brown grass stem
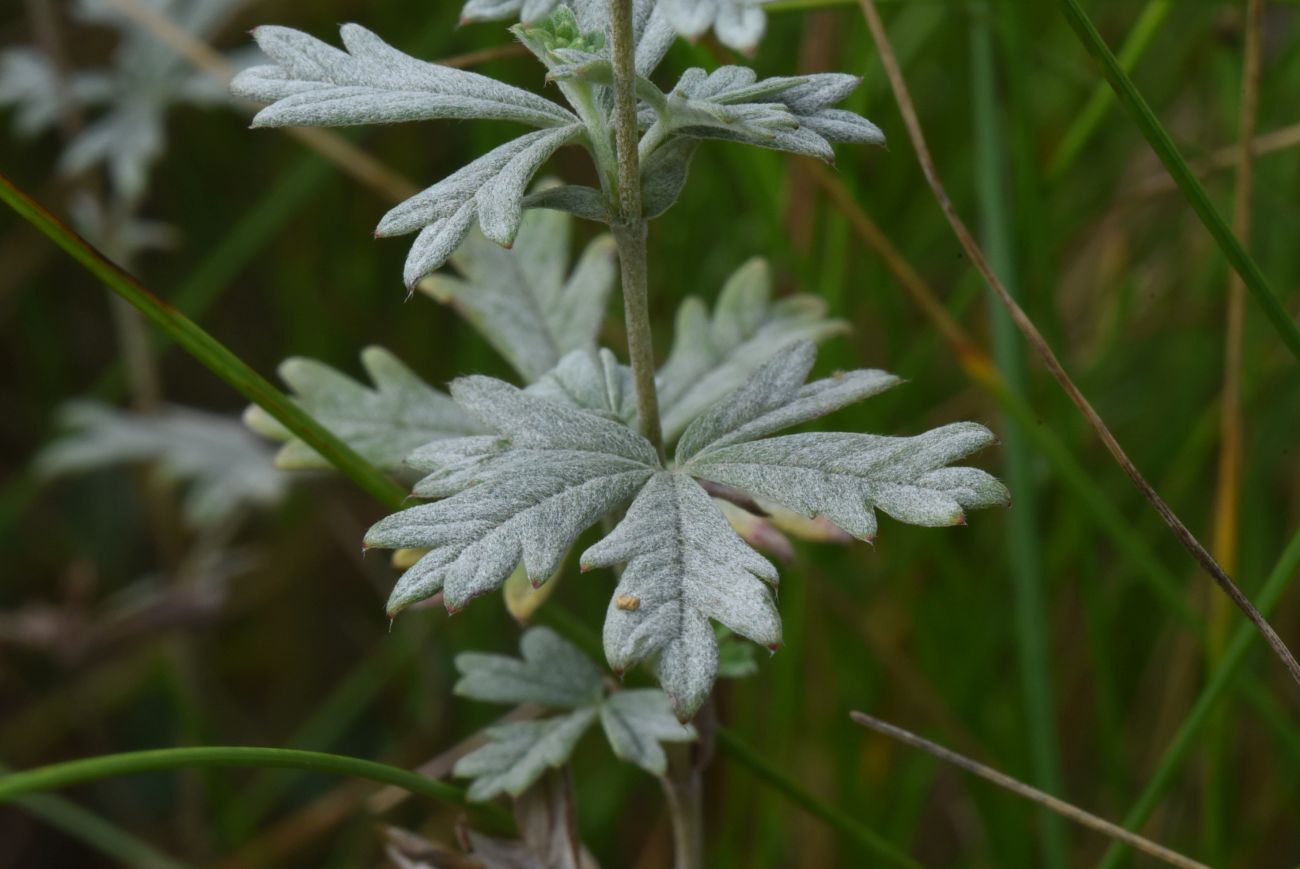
1002 780
1045 353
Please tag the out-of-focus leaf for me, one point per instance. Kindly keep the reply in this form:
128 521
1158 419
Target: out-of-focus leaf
384 423
525 300
223 468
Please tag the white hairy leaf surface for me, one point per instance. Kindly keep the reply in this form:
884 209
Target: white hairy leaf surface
841 476
314 84
685 566
223 468
525 300
714 355
595 382
776 397
554 674
792 114
383 423
846 476
490 190
556 471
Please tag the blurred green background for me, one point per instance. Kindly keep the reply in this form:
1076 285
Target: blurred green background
1035 639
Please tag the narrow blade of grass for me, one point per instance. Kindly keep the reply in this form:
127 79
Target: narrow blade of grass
89 828
1241 261
74 772
206 349
1233 658
1031 617
1089 118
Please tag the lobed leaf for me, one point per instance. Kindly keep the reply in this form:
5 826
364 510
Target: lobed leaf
223 467
684 567
556 471
712 356
551 673
555 674
776 398
524 300
637 722
519 753
312 83
383 423
491 189
787 114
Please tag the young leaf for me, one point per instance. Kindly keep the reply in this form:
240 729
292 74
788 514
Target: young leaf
524 300
787 114
637 722
552 673
383 424
597 383
838 475
555 472
520 752
556 675
685 567
224 468
651 31
712 356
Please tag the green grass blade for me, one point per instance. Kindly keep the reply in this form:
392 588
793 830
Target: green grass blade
89 828
61 775
1220 680
867 839
1193 192
1089 118
207 350
1031 616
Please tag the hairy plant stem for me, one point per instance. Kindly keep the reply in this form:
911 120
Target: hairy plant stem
629 226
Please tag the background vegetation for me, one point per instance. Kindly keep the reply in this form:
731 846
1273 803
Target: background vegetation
1065 641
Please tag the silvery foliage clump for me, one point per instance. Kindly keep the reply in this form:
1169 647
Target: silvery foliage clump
554 675
553 466
126 101
312 83
224 470
563 453
739 24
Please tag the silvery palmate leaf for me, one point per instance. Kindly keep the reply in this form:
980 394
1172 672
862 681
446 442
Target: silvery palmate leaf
383 423
555 675
223 468
712 356
524 299
551 469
